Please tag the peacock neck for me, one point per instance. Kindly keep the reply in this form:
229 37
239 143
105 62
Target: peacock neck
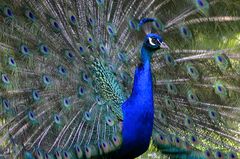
146 55
143 75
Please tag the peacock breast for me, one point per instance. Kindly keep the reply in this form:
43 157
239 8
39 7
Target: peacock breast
137 124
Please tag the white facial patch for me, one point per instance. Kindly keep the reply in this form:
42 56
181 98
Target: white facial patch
151 41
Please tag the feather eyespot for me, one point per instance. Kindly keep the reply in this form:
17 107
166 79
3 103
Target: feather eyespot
212 114
200 2
57 119
158 25
220 89
44 49
46 156
172 89
24 50
46 80
31 115
192 72
111 30
88 151
85 77
91 21
81 91
102 49
62 70
222 61
35 95
218 154
11 62
66 102
87 116
5 79
116 140
185 32
30 15
169 60
65 154
207 153
57 153
8 12
6 104
193 139
100 2
177 140
109 121
90 40
232 155
202 6
73 19
188 122
38 153
81 49
69 55
55 25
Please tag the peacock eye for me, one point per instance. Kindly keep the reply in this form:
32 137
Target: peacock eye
152 41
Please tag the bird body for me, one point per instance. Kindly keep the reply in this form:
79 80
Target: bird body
138 111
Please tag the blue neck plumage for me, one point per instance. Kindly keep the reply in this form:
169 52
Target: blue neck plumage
146 55
138 110
143 75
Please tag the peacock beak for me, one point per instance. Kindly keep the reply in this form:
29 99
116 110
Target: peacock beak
163 45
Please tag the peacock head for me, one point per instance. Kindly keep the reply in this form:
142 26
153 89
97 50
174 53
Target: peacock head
153 42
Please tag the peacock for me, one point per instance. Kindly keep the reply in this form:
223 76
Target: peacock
106 79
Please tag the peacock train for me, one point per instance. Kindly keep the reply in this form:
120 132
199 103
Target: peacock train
119 79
